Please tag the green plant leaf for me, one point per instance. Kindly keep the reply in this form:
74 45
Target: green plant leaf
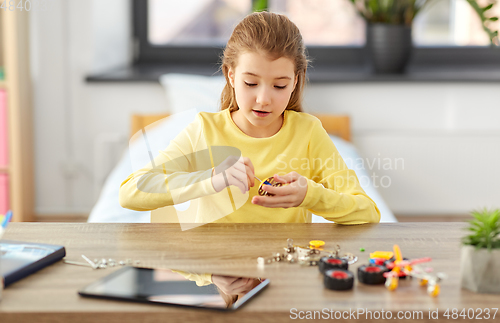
259 5
484 229
477 223
488 7
484 20
492 221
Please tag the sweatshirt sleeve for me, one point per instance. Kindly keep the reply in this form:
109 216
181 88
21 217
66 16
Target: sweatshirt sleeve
179 173
200 279
334 191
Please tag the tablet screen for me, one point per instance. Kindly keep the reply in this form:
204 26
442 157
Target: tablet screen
173 287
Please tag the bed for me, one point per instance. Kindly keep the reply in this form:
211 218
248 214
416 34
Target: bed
187 95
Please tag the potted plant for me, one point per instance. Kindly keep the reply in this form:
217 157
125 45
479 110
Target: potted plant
389 27
480 260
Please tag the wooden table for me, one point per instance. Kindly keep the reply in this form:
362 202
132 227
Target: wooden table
50 295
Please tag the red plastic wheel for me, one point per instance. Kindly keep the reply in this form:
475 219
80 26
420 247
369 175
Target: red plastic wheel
326 263
338 279
372 274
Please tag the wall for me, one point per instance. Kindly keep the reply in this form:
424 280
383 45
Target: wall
447 134
68 41
444 136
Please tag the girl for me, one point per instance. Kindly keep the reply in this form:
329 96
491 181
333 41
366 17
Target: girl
260 132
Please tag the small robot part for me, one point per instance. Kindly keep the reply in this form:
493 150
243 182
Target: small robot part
372 274
388 267
267 181
305 255
316 244
338 279
327 263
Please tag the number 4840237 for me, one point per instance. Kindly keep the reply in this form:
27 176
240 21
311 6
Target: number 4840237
471 313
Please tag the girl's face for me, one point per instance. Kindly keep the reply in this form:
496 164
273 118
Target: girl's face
263 88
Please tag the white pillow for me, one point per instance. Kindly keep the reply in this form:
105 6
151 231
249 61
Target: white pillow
185 92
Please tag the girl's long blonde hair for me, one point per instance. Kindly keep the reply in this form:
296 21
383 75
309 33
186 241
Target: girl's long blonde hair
273 35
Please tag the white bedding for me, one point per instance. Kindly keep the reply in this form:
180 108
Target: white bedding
184 105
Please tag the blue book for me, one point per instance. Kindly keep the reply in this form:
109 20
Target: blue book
20 259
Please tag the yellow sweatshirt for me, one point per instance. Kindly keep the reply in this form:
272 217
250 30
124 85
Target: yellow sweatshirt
182 172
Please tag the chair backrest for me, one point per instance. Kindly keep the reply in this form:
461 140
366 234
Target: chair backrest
338 125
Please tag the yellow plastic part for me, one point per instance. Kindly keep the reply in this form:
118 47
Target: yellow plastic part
397 253
316 243
391 283
382 254
433 290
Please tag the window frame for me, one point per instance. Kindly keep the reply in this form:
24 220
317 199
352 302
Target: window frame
347 56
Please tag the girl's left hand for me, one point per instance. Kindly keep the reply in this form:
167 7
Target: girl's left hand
233 285
286 196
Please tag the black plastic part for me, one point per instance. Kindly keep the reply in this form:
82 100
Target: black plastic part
326 263
393 259
338 279
372 274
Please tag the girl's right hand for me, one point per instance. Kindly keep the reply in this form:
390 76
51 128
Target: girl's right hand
234 171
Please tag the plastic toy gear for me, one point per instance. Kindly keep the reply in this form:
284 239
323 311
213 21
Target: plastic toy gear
268 181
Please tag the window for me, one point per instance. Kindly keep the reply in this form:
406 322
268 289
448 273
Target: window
194 22
197 30
452 23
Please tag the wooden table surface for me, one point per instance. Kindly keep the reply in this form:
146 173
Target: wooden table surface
50 295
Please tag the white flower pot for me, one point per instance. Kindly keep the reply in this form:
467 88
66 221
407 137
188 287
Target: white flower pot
480 270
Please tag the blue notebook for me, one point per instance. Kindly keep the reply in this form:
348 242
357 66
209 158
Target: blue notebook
20 259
